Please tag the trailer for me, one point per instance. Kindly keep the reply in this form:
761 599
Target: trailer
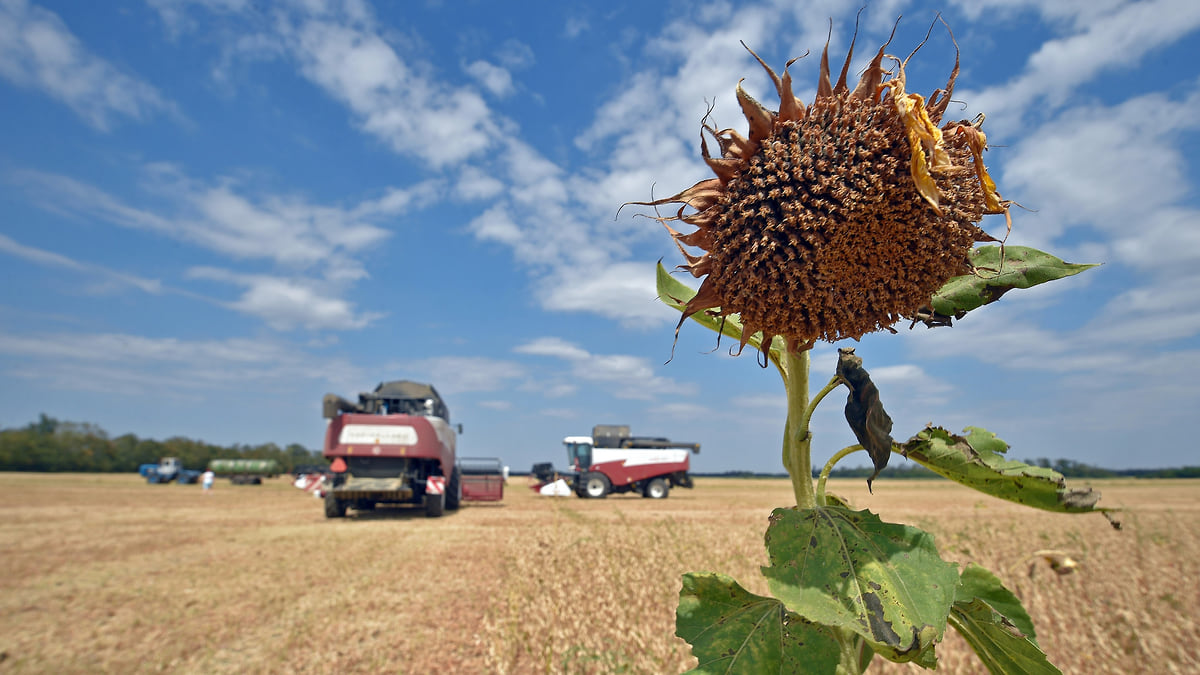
396 446
244 471
612 460
482 478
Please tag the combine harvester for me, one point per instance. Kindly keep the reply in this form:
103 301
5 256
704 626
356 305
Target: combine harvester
613 461
396 446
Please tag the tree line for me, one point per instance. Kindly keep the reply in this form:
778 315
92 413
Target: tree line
53 445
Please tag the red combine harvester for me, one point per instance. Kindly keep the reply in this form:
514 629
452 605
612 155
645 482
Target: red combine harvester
396 446
613 461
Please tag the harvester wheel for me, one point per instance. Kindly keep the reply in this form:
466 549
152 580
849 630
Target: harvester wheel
435 505
656 489
334 507
454 490
595 485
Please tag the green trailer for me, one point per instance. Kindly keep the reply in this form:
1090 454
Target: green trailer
244 471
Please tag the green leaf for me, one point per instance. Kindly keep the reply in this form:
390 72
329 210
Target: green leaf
978 462
849 569
978 582
734 631
1021 267
997 641
676 294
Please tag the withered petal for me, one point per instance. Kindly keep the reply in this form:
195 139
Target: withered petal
762 121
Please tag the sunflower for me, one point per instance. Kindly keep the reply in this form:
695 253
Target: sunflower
835 219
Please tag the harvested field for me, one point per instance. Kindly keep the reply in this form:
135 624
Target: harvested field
104 573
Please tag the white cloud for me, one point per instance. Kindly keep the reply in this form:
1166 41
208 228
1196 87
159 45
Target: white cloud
397 201
474 184
622 291
174 12
575 26
1106 40
1117 175
552 346
288 303
625 376
136 365
461 374
1072 12
37 50
514 54
498 81
396 101
285 229
317 247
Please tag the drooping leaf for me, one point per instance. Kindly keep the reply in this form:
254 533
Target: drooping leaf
864 411
998 270
997 641
978 582
734 631
849 569
977 461
675 294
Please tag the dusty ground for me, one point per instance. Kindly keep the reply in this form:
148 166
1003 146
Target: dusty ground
104 573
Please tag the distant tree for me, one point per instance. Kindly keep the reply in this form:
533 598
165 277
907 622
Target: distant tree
49 444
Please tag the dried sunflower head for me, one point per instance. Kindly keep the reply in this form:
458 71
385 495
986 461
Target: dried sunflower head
835 219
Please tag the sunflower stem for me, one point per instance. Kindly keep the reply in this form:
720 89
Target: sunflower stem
837 457
797 442
816 400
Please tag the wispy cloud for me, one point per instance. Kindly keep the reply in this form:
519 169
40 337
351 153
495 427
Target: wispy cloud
39 51
51 259
136 365
317 248
625 376
463 374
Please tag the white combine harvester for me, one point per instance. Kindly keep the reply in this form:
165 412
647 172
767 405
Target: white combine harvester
611 460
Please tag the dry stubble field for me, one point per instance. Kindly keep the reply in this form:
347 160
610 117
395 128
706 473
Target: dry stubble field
104 573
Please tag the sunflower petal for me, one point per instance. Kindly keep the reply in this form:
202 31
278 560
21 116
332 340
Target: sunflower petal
761 120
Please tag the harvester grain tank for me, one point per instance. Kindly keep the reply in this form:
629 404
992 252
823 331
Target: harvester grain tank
244 471
612 460
396 446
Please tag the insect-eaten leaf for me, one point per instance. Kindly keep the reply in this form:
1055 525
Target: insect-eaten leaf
676 294
734 631
977 461
883 581
864 411
997 270
979 582
997 641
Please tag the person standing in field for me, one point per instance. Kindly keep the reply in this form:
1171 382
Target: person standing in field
206 479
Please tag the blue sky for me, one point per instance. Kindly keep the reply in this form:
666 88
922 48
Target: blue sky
213 212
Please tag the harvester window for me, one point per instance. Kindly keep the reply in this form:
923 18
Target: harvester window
580 453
